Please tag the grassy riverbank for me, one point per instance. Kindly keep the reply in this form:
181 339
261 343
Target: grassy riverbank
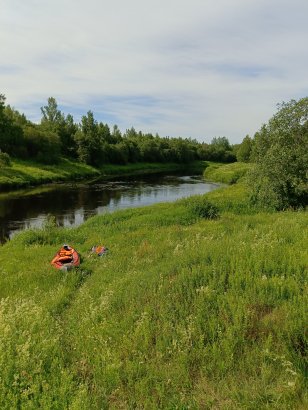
25 173
184 312
226 173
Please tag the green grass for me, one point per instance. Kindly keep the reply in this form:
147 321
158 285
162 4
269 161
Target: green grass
26 173
226 173
183 313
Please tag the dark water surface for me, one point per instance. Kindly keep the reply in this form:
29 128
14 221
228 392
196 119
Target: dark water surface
73 203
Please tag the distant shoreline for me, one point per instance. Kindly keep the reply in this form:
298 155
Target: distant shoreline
24 174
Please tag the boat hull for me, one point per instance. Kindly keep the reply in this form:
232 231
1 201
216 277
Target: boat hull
59 263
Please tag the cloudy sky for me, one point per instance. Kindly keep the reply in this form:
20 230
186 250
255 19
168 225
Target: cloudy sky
190 68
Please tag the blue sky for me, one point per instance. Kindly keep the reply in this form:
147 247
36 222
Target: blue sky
193 68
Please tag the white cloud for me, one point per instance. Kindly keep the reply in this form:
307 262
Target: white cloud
198 68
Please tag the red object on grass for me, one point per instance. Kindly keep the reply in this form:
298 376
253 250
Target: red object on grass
66 256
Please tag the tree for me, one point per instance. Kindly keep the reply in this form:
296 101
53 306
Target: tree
116 135
11 134
52 117
89 140
280 151
54 121
15 116
43 146
243 151
221 143
221 150
66 131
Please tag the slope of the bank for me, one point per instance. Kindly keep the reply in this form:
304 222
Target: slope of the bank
226 173
25 173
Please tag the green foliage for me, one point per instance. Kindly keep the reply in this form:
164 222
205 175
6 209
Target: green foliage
220 150
201 207
89 140
67 131
51 115
25 173
228 174
244 150
11 135
280 151
54 121
93 142
43 146
5 160
16 117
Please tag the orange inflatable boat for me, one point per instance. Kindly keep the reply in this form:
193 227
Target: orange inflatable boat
66 258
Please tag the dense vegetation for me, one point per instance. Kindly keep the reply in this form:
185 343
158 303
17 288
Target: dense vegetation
280 152
199 304
94 143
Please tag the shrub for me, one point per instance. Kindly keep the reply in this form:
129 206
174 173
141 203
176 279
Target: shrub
280 150
44 147
244 150
5 160
201 207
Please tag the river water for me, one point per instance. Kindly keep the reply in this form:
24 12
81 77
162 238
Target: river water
73 203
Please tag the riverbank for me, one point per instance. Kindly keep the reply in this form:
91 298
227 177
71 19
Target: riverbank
72 203
183 312
24 173
226 173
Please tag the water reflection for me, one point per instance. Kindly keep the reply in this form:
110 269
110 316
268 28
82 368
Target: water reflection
72 204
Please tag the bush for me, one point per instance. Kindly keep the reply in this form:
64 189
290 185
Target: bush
201 207
280 151
44 147
5 160
244 150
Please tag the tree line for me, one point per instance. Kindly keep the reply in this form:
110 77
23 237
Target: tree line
95 143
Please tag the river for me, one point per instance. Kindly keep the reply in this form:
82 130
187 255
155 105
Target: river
73 203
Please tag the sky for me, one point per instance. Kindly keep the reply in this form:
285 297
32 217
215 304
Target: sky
179 68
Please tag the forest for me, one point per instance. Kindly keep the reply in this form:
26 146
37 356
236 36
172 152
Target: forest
95 143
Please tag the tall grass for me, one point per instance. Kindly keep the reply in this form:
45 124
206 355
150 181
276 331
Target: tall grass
26 173
185 311
226 173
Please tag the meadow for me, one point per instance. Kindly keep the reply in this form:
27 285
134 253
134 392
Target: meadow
199 304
